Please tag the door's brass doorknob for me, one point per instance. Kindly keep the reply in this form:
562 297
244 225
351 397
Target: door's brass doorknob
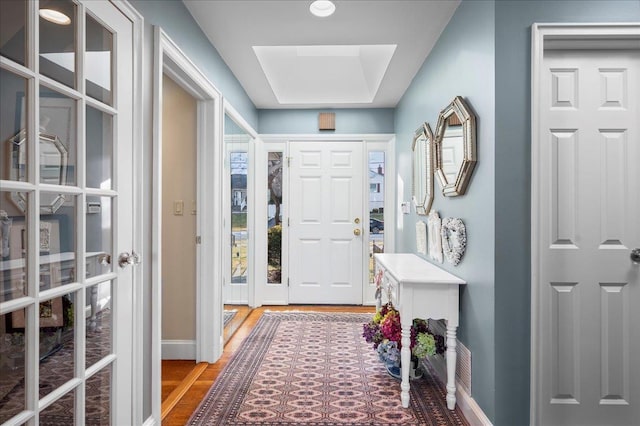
356 231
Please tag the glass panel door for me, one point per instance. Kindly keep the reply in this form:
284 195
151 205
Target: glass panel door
236 141
376 206
66 212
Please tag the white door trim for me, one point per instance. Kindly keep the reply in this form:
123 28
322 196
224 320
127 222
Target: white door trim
266 142
169 59
542 34
138 364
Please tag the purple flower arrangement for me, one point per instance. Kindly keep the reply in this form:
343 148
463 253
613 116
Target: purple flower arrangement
384 331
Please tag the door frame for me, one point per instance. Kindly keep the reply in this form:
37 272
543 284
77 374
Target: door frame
541 35
279 294
139 219
169 59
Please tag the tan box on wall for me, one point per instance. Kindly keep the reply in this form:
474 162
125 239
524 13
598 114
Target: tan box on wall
327 121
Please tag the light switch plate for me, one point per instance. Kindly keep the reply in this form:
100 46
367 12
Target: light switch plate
178 208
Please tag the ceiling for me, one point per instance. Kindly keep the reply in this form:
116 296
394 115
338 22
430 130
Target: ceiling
363 56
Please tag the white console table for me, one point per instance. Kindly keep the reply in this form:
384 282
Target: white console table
419 289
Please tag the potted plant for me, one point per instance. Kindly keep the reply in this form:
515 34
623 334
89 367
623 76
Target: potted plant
384 331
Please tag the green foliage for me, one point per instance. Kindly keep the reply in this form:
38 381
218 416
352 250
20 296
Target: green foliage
425 345
274 248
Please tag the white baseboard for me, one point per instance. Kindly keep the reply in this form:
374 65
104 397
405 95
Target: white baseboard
469 407
178 349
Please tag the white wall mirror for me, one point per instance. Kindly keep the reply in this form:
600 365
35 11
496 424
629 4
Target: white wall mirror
455 147
53 169
423 148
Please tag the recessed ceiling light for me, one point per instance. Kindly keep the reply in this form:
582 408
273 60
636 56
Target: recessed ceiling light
55 16
322 8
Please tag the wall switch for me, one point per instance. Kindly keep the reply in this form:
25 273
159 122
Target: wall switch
178 208
194 208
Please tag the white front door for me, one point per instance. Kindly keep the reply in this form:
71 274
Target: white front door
588 288
66 307
326 222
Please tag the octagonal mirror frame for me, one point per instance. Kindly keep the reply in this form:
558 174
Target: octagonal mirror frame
454 184
423 160
53 174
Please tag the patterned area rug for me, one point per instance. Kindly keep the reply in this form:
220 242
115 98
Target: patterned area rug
316 369
228 316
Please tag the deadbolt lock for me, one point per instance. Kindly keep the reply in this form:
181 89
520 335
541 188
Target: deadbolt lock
357 220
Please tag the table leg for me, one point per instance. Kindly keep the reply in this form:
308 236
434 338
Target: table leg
451 366
405 363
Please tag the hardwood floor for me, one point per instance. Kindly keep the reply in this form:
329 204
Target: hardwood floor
192 395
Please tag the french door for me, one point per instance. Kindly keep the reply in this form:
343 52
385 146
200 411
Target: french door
66 207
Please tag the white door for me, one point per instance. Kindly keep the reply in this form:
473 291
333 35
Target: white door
588 352
66 307
326 222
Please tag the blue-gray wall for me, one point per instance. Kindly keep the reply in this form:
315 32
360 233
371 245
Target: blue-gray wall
513 181
461 63
177 22
305 121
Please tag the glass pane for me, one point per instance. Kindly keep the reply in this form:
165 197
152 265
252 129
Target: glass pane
274 215
12 365
13 246
58 40
13 120
57 138
13 36
98 401
376 206
99 149
239 162
61 412
99 234
98 61
98 322
57 342
57 242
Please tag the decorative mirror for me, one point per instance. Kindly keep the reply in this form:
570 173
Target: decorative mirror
423 169
53 169
455 147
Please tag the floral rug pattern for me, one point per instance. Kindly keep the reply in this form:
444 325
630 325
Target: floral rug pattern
316 369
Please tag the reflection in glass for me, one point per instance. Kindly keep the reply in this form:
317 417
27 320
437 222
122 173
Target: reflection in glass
57 125
61 412
99 234
376 206
56 342
13 120
99 148
98 398
239 162
58 42
274 225
12 366
98 61
98 322
57 244
452 148
13 249
13 37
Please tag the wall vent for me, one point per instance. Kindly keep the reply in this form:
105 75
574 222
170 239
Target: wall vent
463 366
327 121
